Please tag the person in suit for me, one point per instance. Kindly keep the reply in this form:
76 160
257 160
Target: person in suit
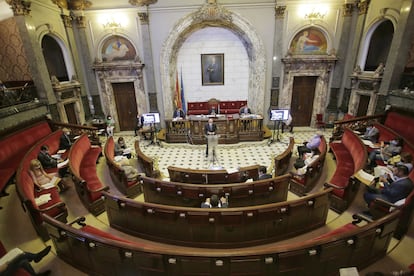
215 202
65 143
212 111
210 129
245 110
48 162
394 191
139 124
263 173
371 133
178 113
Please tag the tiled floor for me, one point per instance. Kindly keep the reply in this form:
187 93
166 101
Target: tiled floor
16 229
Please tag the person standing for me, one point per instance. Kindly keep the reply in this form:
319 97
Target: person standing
110 125
65 143
210 129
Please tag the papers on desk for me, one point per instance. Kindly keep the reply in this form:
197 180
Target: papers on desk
9 256
52 183
43 199
232 170
56 156
76 137
62 151
364 177
63 164
126 151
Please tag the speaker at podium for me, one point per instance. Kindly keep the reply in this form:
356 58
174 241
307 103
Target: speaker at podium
212 141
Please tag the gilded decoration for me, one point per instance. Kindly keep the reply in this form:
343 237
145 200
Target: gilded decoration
212 12
79 4
141 3
61 3
347 9
363 7
280 11
80 21
143 18
19 7
67 20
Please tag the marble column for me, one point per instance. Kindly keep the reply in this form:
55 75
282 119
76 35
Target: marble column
345 44
90 91
400 48
148 60
358 12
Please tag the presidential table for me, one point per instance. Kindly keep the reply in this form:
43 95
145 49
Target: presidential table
230 128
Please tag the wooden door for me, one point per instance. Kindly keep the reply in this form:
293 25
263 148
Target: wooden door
71 113
126 104
303 94
363 105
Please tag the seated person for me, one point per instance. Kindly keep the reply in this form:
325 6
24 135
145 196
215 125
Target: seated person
308 146
386 151
65 142
42 179
178 113
214 202
387 173
48 162
130 172
17 259
245 110
121 148
371 133
392 191
301 164
263 173
212 111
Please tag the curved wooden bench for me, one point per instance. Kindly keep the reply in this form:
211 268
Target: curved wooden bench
27 192
118 176
282 161
15 145
101 253
146 162
82 164
302 184
212 176
240 194
218 227
351 156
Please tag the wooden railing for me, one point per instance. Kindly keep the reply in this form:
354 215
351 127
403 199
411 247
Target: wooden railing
218 227
240 194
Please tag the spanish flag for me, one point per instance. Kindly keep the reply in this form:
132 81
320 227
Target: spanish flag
177 97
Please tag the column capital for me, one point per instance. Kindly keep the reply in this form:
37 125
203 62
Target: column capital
67 20
280 11
141 3
363 7
348 9
80 21
143 18
19 7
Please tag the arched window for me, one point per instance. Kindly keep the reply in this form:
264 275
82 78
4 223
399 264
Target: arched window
54 58
379 46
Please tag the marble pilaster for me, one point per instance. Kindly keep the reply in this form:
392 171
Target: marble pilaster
148 60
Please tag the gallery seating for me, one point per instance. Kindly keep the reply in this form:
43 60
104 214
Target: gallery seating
118 176
19 272
282 161
14 145
302 184
192 195
402 122
218 227
25 187
351 156
213 176
95 252
82 162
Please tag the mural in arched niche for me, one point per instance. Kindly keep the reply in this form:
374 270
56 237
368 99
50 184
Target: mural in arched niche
309 41
117 48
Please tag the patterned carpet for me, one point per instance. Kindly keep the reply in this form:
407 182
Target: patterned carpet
228 156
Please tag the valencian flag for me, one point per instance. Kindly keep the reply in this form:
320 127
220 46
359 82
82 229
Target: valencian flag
177 97
183 105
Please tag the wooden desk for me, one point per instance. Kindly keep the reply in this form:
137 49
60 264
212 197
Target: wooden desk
231 128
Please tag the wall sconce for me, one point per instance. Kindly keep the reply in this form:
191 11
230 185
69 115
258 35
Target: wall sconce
111 24
315 15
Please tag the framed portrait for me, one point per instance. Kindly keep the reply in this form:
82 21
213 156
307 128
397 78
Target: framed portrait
212 69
